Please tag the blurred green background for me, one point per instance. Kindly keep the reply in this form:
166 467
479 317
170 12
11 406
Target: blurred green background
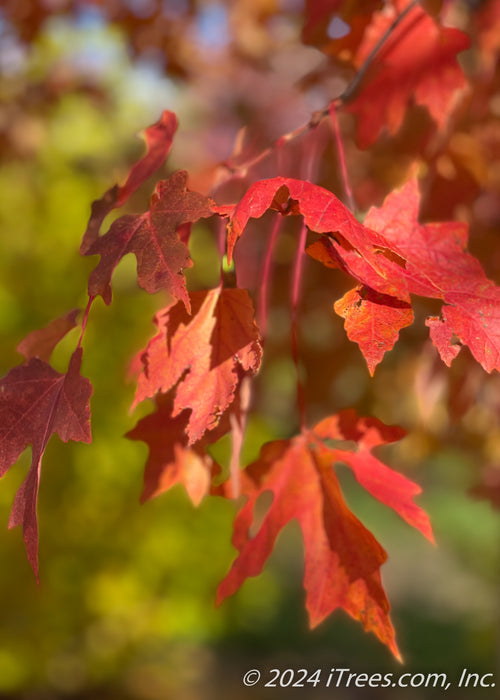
125 608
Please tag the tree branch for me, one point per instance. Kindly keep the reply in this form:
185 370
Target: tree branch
318 116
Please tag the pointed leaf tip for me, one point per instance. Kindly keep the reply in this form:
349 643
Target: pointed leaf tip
299 474
158 138
36 402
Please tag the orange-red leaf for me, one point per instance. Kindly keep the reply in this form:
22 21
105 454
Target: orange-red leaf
443 338
158 139
35 402
202 354
361 252
393 256
342 558
171 461
386 485
439 266
418 61
373 321
152 237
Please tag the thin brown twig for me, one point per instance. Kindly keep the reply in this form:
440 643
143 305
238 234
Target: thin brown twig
247 165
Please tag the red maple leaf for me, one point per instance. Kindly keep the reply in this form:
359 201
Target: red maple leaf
35 402
152 237
158 139
171 461
360 251
389 487
373 321
417 61
41 342
374 313
430 260
213 346
342 558
437 265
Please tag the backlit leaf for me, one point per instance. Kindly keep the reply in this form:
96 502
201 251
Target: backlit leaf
418 61
439 266
158 138
171 460
202 354
342 558
373 321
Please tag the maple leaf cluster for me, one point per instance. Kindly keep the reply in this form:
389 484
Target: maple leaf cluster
198 368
